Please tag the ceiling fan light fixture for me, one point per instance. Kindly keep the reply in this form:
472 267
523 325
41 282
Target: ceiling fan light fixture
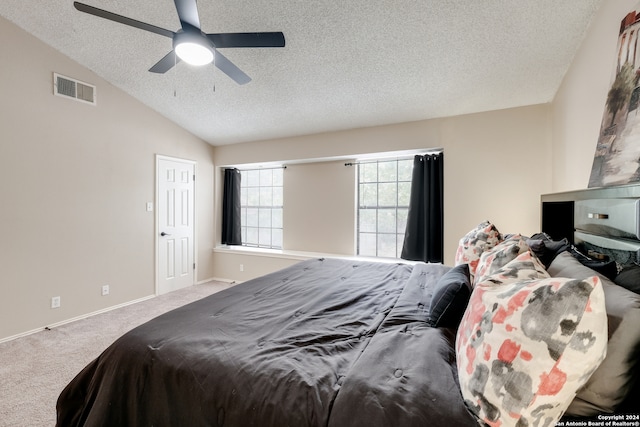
193 48
194 53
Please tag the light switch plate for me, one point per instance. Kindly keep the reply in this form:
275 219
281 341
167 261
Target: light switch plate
149 206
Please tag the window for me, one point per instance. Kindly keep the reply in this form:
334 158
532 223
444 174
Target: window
261 200
384 191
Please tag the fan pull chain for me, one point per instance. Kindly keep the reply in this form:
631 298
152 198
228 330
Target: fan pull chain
175 75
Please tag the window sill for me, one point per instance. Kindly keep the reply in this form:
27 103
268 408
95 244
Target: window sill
298 255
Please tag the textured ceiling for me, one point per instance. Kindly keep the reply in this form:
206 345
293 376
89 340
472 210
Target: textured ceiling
346 64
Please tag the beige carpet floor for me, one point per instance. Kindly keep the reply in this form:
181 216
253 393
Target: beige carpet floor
34 369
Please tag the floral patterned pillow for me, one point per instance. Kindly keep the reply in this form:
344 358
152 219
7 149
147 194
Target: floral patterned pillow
524 347
497 257
484 237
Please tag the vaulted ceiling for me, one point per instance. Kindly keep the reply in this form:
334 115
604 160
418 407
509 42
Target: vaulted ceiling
346 64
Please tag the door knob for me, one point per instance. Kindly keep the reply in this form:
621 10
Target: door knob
165 234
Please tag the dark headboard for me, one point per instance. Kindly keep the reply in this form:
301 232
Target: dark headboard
601 222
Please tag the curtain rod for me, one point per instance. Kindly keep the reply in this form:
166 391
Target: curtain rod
388 159
223 168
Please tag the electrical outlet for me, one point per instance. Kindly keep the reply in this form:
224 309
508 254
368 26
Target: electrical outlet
241 267
55 302
105 290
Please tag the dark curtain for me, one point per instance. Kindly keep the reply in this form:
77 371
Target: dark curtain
231 208
423 239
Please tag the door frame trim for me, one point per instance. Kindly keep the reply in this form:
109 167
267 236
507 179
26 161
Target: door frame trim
160 157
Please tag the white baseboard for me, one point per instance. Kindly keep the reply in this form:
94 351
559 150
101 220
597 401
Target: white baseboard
219 279
210 279
73 319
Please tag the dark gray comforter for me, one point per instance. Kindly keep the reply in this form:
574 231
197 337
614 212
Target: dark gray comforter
326 342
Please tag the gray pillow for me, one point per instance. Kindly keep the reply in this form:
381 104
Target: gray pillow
450 297
629 278
610 383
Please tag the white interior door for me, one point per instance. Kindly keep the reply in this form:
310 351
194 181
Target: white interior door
175 242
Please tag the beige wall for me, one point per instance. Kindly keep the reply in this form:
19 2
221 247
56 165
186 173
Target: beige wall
328 192
74 181
578 106
496 167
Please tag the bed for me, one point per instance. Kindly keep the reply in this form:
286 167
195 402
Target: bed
340 342
311 345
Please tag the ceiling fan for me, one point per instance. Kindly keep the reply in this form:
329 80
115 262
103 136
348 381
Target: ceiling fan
192 45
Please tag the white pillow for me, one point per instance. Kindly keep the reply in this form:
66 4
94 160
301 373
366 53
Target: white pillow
484 237
524 347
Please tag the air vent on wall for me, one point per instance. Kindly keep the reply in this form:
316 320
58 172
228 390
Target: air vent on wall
72 88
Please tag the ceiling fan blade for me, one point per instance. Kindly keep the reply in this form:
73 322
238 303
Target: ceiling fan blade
165 64
271 39
230 69
122 19
188 12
